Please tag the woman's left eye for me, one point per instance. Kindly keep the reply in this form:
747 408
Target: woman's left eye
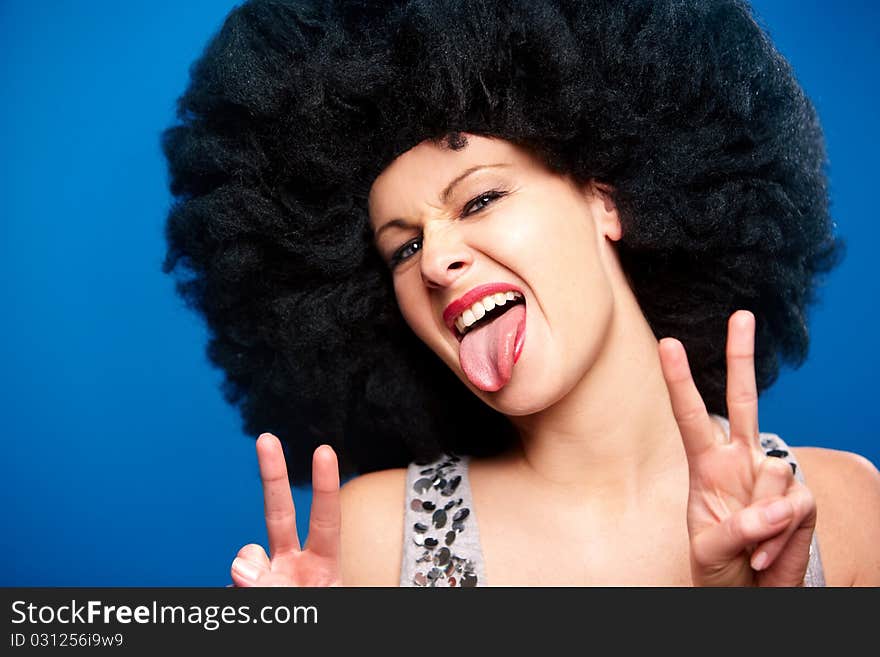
479 202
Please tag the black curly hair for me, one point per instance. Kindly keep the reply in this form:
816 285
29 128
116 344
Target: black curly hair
683 107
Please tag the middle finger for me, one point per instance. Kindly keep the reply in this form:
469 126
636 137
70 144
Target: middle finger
326 516
742 393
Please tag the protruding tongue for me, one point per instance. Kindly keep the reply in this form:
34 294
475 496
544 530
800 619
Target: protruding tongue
486 353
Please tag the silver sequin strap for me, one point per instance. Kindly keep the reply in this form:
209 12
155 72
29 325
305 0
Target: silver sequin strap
773 445
441 540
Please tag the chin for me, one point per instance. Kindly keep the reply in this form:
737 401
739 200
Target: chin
521 396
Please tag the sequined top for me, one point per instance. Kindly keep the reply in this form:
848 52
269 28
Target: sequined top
441 537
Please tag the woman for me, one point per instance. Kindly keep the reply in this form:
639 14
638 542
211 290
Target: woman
526 265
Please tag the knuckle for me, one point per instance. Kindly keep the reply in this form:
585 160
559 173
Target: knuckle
325 523
279 515
700 554
802 499
777 467
689 415
740 353
742 398
735 529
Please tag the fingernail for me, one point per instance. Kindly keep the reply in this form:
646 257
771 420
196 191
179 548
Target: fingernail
246 569
777 512
759 560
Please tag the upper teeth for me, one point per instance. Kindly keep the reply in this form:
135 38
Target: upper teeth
479 309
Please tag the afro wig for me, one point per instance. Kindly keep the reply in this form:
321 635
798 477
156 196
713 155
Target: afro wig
683 107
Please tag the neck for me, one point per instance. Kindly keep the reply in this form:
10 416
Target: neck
613 438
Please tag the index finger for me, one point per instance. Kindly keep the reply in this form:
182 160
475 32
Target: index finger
688 407
277 498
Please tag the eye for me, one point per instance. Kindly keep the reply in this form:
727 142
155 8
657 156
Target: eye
405 252
479 202
476 204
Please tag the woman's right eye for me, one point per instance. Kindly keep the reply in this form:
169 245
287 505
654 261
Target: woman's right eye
405 252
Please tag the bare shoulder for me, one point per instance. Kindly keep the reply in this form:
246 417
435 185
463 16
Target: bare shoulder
372 528
846 487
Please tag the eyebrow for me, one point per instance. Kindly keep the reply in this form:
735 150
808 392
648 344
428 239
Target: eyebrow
444 196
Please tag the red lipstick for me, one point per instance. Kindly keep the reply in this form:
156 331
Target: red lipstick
461 304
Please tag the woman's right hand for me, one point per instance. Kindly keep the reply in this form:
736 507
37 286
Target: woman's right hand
288 565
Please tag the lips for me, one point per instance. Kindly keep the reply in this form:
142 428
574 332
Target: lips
461 304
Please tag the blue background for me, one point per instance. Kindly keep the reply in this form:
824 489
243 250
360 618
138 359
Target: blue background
122 465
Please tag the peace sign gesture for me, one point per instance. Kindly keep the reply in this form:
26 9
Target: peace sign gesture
318 563
749 521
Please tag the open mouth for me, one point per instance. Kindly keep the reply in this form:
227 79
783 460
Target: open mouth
491 334
483 312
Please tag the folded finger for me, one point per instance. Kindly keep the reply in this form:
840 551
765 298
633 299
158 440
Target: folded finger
250 565
255 553
277 498
690 412
773 479
742 391
247 573
325 518
800 530
719 544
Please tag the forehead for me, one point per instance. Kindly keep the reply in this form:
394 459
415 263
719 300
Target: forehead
422 172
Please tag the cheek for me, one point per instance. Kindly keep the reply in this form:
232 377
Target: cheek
407 301
550 246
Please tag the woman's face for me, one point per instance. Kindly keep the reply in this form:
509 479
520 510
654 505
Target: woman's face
449 221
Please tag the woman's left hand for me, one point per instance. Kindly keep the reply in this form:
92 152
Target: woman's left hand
750 522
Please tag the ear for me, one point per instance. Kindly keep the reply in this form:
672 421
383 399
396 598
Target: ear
604 209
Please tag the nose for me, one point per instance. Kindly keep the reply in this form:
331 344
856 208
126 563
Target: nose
445 256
